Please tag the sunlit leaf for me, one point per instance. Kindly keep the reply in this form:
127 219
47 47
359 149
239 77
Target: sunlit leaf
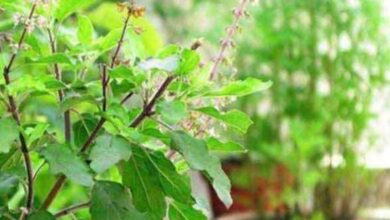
8 134
189 60
67 7
168 64
85 30
240 88
109 41
73 101
197 156
37 132
172 111
226 147
108 151
233 118
55 58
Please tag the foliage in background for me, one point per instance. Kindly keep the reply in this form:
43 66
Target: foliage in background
97 114
326 59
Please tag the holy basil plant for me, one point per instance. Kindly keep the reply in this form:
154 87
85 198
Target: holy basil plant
94 103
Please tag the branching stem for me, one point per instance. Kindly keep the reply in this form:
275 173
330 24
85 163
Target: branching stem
61 180
14 111
72 209
239 12
57 72
147 110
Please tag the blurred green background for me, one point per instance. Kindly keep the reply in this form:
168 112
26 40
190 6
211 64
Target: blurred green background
328 62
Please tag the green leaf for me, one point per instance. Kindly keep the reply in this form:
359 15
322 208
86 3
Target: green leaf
41 215
179 211
109 41
240 88
112 201
156 133
189 61
62 160
73 101
10 159
55 58
197 156
9 132
8 185
172 112
168 64
85 30
26 83
108 151
234 118
174 185
83 128
123 72
168 51
144 44
54 84
37 133
67 7
229 147
148 195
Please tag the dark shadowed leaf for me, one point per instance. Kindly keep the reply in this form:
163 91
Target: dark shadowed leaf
139 175
83 128
8 185
174 184
41 215
112 201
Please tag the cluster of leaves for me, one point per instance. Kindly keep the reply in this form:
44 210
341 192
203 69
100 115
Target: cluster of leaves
99 100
